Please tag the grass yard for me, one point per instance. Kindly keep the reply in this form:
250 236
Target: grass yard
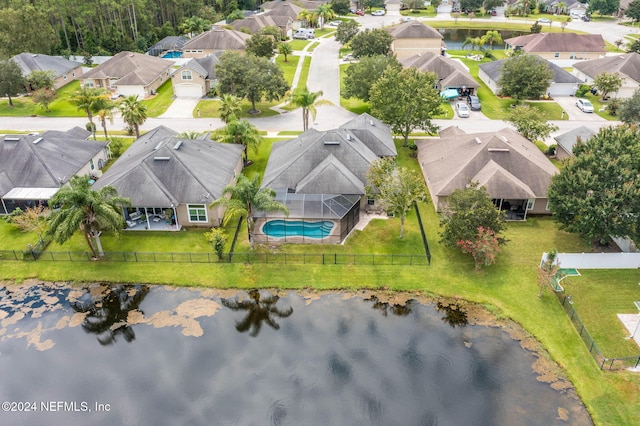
158 104
522 24
428 12
288 68
600 107
304 72
209 108
598 295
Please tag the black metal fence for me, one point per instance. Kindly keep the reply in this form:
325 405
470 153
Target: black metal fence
425 242
602 361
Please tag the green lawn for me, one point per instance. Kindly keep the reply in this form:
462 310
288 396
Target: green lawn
289 67
298 44
598 105
304 72
159 103
429 12
209 108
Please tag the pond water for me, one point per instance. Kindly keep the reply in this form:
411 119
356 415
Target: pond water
142 355
455 37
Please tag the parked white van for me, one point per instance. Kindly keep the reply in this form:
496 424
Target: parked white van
304 33
576 14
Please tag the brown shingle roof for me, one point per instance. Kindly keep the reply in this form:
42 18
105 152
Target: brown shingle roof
628 65
414 29
130 68
450 72
254 23
558 42
218 39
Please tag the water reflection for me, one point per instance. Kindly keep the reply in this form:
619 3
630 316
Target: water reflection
395 309
259 309
454 313
107 311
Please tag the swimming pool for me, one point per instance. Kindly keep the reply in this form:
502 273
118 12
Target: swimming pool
172 54
282 228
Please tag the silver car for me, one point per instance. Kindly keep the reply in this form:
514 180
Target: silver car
462 109
584 105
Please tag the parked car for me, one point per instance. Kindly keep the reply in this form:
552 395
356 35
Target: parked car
474 103
493 12
544 21
334 23
584 105
585 18
462 109
407 19
378 12
348 57
359 12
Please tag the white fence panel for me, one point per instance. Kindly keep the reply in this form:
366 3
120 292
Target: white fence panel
598 260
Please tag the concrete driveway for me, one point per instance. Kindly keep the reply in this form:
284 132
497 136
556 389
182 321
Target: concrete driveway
568 103
182 108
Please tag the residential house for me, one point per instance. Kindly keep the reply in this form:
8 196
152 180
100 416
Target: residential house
64 70
254 24
414 38
627 66
563 83
515 173
321 178
167 45
566 141
196 77
130 74
560 46
34 167
451 73
172 181
211 41
565 7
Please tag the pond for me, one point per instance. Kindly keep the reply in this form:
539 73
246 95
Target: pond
455 37
138 354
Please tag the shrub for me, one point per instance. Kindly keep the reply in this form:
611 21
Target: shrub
582 90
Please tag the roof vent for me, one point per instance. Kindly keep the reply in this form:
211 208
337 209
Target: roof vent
157 147
478 141
37 141
504 138
11 139
161 158
332 142
177 145
348 137
498 149
372 123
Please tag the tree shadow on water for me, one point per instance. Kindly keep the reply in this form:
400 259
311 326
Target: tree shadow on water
385 307
107 313
454 313
259 309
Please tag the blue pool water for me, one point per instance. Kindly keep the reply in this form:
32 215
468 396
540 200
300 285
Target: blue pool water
172 54
281 228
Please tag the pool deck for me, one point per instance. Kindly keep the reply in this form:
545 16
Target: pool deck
365 218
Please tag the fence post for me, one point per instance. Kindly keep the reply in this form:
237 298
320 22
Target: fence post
335 258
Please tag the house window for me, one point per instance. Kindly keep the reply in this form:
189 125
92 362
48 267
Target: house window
530 203
91 164
572 55
197 212
64 77
556 55
186 75
371 201
73 73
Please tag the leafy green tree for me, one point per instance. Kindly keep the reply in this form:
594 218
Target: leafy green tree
548 272
285 49
340 7
261 45
43 97
240 132
604 7
308 17
597 192
273 31
465 211
250 77
26 28
11 80
536 28
84 208
33 219
406 99
634 46
360 76
229 108
491 37
530 122
325 13
244 197
484 248
133 112
474 42
525 76
116 147
308 101
397 188
41 80
347 30
471 5
492 4
607 83
633 10
371 42
88 100
629 111
217 238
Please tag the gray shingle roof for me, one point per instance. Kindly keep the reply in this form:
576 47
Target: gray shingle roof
254 23
628 65
167 43
218 39
414 29
29 62
558 42
204 66
506 163
130 68
46 164
329 162
569 139
153 173
494 71
450 72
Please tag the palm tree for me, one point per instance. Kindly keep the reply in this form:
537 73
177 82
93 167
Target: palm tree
260 309
229 108
325 13
105 107
134 113
240 132
491 37
87 99
194 25
189 134
246 196
285 49
307 17
474 42
308 101
86 209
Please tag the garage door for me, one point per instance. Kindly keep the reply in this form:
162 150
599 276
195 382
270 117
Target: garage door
188 91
